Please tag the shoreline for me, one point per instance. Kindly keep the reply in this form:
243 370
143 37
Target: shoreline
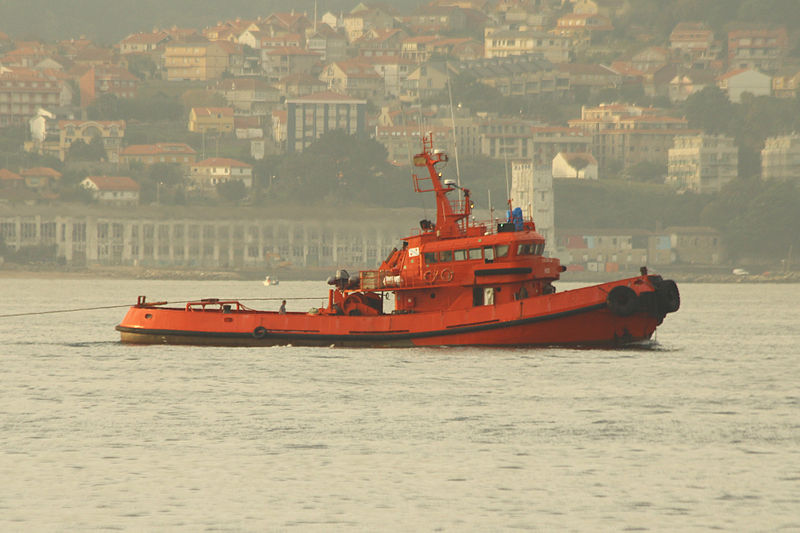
140 273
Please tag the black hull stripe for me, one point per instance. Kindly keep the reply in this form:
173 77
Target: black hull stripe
370 337
503 271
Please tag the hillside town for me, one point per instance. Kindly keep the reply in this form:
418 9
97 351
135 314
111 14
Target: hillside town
555 93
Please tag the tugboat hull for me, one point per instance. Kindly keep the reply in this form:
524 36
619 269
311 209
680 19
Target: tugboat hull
578 317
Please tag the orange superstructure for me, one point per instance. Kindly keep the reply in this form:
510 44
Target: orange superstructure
455 282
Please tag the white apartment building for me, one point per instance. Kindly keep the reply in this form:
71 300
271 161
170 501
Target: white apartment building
780 158
702 163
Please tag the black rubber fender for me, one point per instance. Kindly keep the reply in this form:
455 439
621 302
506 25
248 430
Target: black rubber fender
669 297
260 332
622 301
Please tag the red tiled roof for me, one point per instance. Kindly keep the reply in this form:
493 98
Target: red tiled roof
145 38
222 162
41 171
158 149
113 183
6 174
208 111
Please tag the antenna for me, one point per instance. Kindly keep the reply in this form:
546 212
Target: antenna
453 124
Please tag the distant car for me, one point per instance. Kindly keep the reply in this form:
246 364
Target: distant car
740 272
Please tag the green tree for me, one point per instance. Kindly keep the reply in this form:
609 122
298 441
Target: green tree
709 110
232 191
80 151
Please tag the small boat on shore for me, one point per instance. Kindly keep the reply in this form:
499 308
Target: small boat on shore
269 281
454 281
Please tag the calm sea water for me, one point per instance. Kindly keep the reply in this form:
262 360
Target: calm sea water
700 432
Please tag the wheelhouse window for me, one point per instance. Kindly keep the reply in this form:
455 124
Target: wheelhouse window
475 253
430 257
445 256
501 250
488 253
460 255
530 248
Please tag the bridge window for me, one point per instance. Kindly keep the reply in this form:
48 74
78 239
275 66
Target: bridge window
501 250
430 258
488 253
445 256
460 255
475 253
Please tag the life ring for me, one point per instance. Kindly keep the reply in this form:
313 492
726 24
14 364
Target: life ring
446 274
622 301
260 332
429 275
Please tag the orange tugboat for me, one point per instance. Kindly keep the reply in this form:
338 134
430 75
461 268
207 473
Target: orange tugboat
455 282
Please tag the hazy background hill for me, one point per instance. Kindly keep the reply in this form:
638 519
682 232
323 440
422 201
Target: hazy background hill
109 21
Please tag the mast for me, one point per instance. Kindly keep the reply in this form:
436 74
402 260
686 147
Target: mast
451 220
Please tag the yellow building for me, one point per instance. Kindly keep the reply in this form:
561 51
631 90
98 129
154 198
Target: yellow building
211 119
111 132
194 61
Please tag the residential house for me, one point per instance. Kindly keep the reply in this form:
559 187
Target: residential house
144 42
211 119
380 42
280 62
207 174
150 154
504 43
201 61
327 42
780 158
694 44
249 96
549 141
505 138
354 77
610 8
427 80
525 75
392 69
628 134
310 116
786 83
688 82
572 165
10 180
362 18
437 19
583 28
702 163
299 84
739 81
113 190
40 178
458 48
589 77
419 48
757 49
291 22
107 79
110 132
